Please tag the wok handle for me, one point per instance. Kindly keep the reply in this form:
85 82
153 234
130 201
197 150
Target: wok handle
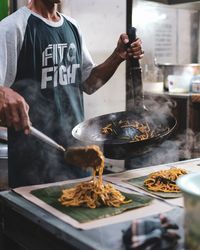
135 95
44 138
132 37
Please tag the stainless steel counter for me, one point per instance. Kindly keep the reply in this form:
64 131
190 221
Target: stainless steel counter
29 226
33 228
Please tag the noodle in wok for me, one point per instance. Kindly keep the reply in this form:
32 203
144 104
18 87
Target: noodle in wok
143 128
93 193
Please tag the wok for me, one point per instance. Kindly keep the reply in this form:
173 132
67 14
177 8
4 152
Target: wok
121 145
118 146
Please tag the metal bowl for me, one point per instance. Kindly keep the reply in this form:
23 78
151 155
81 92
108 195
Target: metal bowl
190 186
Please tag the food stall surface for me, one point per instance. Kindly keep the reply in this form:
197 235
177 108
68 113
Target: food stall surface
32 227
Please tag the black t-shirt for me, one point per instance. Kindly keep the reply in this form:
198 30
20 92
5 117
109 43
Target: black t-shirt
52 62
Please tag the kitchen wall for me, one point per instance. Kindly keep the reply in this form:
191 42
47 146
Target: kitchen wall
169 34
101 22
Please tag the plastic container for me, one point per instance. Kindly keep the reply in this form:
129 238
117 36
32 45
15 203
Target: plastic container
179 83
190 186
195 84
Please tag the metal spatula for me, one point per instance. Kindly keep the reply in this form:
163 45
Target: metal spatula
44 138
84 157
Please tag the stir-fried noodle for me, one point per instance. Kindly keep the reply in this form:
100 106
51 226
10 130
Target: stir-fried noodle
143 128
93 193
164 180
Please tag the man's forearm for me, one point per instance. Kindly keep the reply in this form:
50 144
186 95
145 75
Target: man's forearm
14 110
102 73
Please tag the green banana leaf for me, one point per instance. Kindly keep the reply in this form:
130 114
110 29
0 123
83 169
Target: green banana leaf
50 195
139 182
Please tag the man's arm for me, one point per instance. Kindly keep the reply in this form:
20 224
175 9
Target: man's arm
103 72
13 110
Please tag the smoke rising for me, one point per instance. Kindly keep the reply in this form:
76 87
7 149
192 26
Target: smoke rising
32 161
178 146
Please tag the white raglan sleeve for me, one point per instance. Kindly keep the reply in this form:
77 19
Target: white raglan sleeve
11 39
87 62
8 57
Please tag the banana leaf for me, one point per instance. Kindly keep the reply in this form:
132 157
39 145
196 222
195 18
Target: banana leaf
139 182
50 195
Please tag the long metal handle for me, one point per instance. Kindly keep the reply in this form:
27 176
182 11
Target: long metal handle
135 95
46 139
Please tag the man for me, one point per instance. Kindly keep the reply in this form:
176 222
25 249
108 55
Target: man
44 69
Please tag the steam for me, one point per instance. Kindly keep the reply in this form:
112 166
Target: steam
175 148
48 164
172 150
41 163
